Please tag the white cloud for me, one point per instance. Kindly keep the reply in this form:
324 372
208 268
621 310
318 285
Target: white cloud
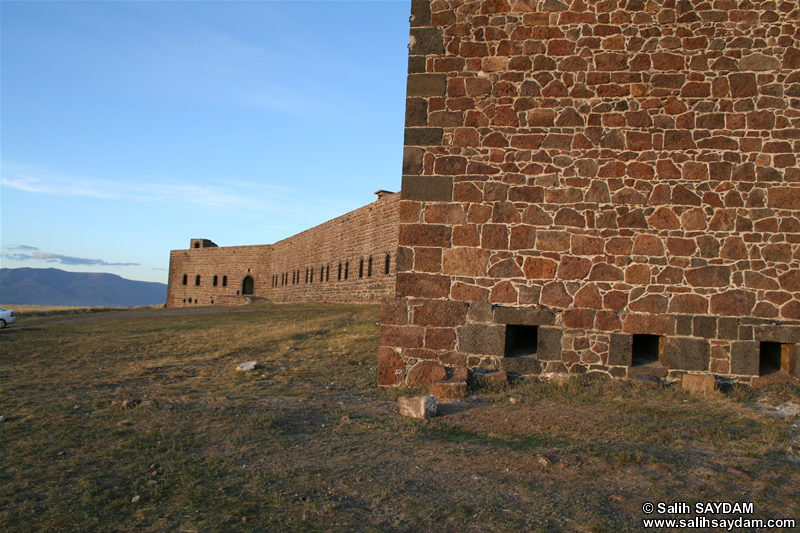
203 195
228 195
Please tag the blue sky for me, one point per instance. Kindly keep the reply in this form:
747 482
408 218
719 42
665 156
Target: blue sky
128 128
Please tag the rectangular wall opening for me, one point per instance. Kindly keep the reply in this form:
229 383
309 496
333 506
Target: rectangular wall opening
521 340
645 349
774 357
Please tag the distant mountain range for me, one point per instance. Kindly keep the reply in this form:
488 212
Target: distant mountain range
51 286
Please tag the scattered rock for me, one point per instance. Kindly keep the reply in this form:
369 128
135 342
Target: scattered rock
449 390
417 406
492 378
76 407
647 380
135 499
130 403
604 464
560 379
514 400
543 460
794 452
698 384
2 418
249 365
458 374
740 473
771 379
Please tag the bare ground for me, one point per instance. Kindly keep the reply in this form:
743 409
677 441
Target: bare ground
307 443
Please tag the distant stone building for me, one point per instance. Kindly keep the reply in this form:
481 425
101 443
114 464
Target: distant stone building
348 259
599 187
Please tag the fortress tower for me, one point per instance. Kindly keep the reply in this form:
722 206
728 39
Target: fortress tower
602 186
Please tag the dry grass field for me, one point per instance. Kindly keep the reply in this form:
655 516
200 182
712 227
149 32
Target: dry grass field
139 421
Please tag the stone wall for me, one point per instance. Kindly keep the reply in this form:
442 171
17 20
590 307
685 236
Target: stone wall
351 252
598 186
304 267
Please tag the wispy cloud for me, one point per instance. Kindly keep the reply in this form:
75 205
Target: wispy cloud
48 257
230 195
43 182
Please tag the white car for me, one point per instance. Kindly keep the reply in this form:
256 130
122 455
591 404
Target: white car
6 317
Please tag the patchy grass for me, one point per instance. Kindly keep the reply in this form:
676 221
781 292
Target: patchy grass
35 311
307 443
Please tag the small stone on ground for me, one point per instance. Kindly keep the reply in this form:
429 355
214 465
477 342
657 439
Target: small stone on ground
417 406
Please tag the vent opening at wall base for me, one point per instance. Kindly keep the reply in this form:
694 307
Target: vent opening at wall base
521 340
645 349
774 357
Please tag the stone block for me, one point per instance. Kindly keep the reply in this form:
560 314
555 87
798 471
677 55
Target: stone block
526 365
432 235
705 326
782 334
402 336
394 311
620 350
416 112
412 160
420 13
449 390
683 325
549 344
524 316
483 339
471 262
709 276
698 384
417 406
539 268
648 324
733 303
440 338
422 285
728 328
479 312
423 136
426 372
440 313
426 41
686 353
391 368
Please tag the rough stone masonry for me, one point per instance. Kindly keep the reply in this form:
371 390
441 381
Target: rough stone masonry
599 187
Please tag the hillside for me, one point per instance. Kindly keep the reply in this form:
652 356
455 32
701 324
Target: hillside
51 286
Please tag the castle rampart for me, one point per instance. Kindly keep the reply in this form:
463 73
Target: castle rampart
305 267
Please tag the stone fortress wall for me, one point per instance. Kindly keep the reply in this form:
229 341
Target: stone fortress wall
348 259
604 186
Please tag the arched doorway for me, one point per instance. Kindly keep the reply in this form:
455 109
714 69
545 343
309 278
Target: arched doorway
247 285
